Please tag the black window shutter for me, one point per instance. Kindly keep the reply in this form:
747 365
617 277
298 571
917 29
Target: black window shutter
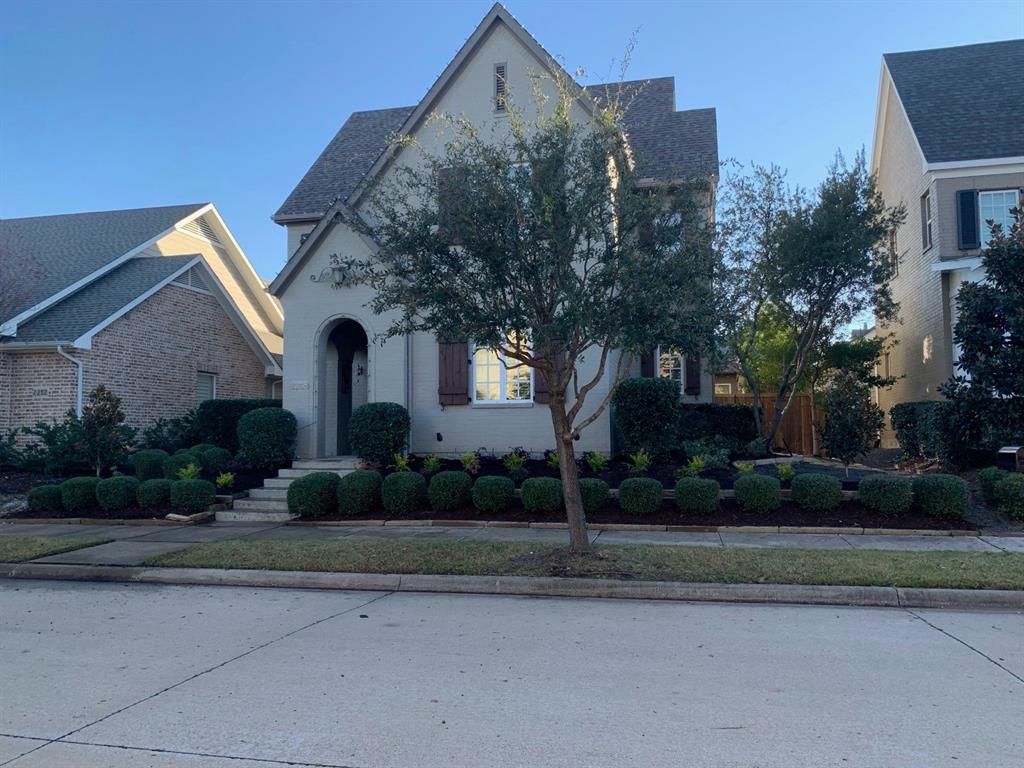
967 225
647 364
924 221
692 376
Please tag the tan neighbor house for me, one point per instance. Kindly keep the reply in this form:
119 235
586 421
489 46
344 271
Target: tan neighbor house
158 304
458 397
949 145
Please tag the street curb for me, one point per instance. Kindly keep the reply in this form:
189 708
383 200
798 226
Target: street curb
796 594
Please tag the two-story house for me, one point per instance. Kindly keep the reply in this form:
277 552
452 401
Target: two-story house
949 146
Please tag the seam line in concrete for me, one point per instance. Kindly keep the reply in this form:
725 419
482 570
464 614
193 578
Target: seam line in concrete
964 643
847 541
204 672
992 544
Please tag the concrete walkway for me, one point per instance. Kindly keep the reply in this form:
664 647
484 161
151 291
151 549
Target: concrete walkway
133 544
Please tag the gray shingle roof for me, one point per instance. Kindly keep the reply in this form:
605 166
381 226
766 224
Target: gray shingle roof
67 320
42 255
665 143
964 103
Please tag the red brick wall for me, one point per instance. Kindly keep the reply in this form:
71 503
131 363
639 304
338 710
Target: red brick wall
149 358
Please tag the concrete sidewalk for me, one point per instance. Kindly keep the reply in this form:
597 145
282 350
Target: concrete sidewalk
133 544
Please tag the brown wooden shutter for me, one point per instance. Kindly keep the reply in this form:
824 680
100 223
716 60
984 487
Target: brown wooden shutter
647 366
692 372
541 386
452 372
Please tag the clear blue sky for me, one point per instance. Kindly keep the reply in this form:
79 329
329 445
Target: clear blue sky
120 105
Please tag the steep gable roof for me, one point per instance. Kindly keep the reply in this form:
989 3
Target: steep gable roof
963 103
42 255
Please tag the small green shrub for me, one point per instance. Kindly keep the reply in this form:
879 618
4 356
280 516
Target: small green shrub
541 495
78 493
638 462
215 422
941 495
402 493
470 462
184 452
215 460
174 464
595 494
697 495
149 463
552 459
377 431
45 498
201 448
640 496
192 496
597 462
225 480
431 464
646 413
744 467
904 417
359 493
153 493
189 472
314 495
888 494
493 493
266 437
816 492
1009 496
449 491
786 472
117 492
757 493
400 463
987 479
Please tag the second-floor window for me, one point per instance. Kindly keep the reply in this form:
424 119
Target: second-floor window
926 220
995 207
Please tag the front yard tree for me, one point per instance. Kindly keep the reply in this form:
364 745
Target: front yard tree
545 246
812 264
852 420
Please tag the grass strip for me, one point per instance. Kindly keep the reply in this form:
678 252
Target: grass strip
20 549
962 570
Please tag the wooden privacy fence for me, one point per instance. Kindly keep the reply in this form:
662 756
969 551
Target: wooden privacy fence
796 432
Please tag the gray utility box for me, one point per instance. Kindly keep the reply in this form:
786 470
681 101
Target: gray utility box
1011 458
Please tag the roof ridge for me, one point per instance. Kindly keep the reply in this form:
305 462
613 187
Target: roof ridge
1019 40
193 206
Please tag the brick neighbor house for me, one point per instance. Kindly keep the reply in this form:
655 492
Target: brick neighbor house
158 304
949 145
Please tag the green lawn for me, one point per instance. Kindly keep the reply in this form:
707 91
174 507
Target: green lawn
19 549
968 570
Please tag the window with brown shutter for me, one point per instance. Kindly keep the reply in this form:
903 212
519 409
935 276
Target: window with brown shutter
692 376
541 390
452 372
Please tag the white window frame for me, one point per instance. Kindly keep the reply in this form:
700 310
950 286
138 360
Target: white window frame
680 366
929 217
983 227
213 387
503 369
723 388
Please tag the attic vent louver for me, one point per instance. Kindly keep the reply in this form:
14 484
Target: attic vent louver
202 228
193 279
500 104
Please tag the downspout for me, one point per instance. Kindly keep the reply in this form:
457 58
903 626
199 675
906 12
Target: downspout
78 378
408 383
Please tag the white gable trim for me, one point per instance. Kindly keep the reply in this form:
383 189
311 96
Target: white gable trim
977 167
10 327
880 111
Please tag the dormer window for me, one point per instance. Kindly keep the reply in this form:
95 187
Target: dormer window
500 94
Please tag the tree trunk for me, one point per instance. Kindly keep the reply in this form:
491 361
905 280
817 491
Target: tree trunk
579 541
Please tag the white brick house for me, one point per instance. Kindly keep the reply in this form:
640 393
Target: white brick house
158 304
457 401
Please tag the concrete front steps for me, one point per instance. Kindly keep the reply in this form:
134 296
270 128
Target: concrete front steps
269 504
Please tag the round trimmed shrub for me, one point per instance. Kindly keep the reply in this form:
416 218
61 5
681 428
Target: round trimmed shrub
595 495
402 493
493 493
541 494
377 431
214 460
697 495
192 496
888 494
987 479
267 436
117 492
816 492
314 495
1009 495
201 448
640 496
149 463
45 498
941 495
153 493
173 464
78 493
449 490
758 493
183 452
359 493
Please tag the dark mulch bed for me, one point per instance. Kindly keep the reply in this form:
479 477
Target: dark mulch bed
132 513
18 481
849 514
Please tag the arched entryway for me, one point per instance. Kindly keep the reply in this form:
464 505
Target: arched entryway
343 385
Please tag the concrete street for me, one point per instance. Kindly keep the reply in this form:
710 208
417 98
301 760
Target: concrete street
115 675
